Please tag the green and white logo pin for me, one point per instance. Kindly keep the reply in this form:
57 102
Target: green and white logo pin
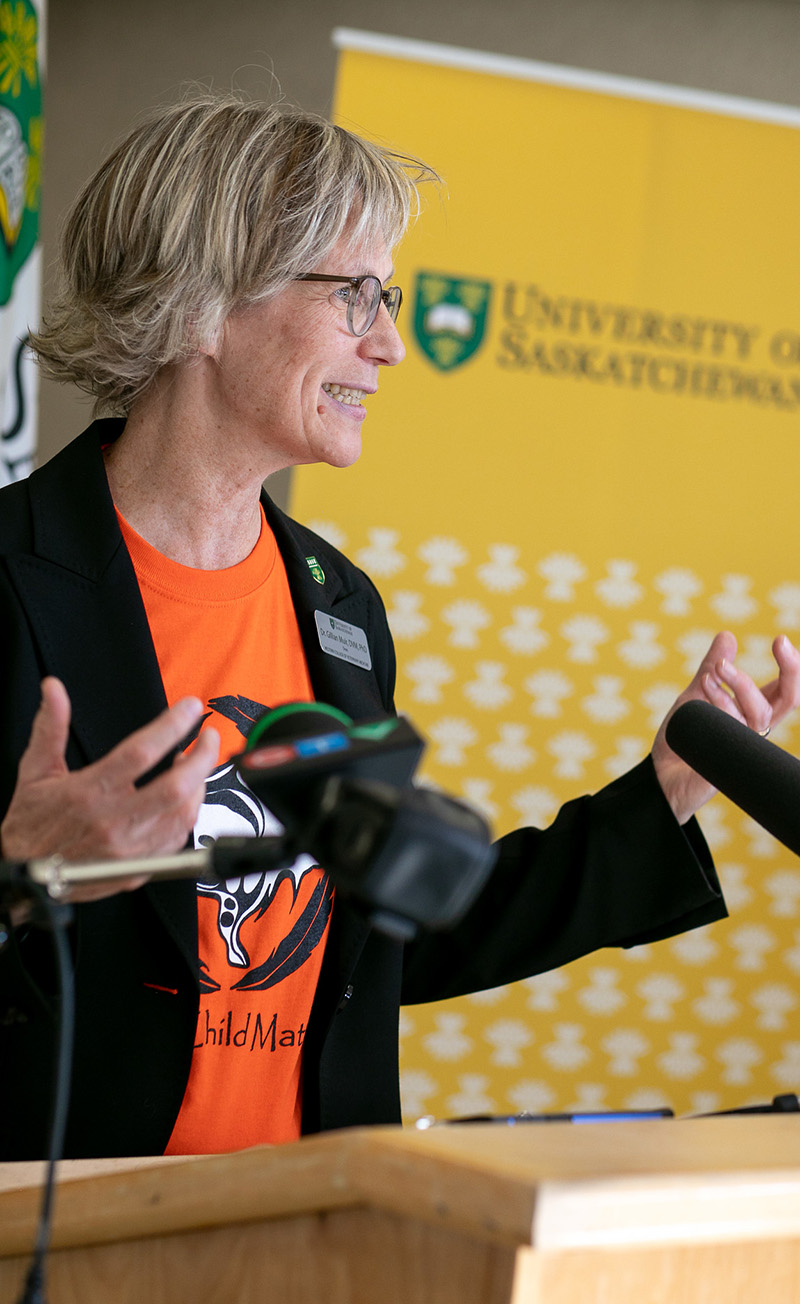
316 569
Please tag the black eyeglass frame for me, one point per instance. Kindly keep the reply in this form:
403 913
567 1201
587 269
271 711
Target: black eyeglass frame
391 297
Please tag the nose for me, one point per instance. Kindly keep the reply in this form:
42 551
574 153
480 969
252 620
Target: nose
382 342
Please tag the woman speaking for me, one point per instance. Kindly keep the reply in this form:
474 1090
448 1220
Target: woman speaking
227 296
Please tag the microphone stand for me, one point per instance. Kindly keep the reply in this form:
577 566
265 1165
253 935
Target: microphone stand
56 917
44 885
229 858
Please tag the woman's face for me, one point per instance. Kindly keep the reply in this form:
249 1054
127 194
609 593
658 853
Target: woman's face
278 365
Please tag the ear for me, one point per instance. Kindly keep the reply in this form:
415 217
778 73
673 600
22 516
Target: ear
207 346
205 342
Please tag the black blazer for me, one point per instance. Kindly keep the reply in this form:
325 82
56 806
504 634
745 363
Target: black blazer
614 869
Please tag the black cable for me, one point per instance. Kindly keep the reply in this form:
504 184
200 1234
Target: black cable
56 917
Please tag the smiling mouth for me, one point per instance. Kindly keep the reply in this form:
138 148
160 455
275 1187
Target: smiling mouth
351 397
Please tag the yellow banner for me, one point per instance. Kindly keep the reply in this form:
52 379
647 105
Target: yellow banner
587 464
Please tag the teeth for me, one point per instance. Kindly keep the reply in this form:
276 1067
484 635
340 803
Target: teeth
352 397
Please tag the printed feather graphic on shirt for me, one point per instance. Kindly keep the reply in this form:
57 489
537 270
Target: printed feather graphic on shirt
207 983
296 945
243 711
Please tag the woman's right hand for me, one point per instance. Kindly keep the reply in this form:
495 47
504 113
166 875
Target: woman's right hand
98 813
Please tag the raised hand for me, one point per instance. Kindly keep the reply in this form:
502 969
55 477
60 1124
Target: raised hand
721 682
98 813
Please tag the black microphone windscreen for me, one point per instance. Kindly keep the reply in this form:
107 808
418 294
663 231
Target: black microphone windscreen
293 750
760 777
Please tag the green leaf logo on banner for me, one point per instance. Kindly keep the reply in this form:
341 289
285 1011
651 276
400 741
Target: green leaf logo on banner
450 317
20 138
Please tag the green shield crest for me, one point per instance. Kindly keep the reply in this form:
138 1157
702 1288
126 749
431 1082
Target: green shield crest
316 570
450 317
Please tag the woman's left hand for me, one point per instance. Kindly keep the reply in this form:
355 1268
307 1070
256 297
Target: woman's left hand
721 683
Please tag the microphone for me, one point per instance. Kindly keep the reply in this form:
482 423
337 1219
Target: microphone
409 856
759 776
293 749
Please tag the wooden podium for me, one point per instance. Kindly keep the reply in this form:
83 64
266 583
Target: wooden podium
703 1211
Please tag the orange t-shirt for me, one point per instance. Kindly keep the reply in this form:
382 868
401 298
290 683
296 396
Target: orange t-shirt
230 637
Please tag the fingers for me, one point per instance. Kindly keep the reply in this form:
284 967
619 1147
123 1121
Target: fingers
99 812
157 817
729 687
163 812
44 755
723 649
783 694
743 699
725 685
136 755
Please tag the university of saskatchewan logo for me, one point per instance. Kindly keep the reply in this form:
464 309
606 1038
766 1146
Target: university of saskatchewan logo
316 569
450 316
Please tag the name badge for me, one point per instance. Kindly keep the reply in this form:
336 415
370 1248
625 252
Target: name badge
347 642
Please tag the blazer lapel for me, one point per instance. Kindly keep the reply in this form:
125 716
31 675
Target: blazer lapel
79 590
352 688
82 599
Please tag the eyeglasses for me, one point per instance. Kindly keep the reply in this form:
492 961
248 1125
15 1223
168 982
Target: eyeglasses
364 296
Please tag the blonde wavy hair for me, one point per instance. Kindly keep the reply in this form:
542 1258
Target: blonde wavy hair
206 207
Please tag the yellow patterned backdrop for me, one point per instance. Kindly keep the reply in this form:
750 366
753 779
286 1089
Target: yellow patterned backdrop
586 466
